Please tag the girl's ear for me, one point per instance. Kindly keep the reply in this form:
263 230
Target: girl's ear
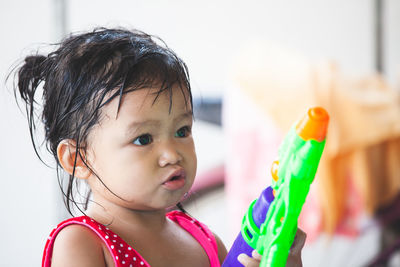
66 153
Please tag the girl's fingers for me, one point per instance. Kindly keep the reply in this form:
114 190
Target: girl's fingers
249 261
255 255
299 242
294 257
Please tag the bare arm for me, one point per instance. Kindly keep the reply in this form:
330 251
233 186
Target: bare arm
77 246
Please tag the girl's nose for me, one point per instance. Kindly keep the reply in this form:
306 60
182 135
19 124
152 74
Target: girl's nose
169 155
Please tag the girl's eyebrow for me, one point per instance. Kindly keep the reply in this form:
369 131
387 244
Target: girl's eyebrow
135 126
186 115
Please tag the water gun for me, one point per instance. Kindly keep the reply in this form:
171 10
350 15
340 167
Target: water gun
270 224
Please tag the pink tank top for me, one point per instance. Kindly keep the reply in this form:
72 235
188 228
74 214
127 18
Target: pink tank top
126 256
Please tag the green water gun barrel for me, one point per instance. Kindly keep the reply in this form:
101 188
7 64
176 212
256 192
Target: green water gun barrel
292 173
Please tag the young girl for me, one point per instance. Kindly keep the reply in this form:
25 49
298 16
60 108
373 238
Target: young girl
117 111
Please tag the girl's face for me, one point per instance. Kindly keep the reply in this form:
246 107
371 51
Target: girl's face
143 153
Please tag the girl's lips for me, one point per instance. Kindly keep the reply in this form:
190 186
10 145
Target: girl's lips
175 184
176 180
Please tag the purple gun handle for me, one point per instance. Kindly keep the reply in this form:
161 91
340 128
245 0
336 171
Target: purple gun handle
240 246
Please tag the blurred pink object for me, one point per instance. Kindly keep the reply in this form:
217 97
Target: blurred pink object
252 142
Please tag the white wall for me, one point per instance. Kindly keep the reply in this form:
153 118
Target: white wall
206 34
391 41
26 186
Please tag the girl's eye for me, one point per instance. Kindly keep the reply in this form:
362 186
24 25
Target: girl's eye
143 140
183 132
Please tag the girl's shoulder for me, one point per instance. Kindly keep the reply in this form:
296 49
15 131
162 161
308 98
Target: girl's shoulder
71 242
88 243
210 242
192 225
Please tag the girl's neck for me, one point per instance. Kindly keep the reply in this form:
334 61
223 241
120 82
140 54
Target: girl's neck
121 217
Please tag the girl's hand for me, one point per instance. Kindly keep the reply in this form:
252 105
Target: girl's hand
294 258
254 261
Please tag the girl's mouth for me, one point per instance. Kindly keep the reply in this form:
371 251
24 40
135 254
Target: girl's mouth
176 180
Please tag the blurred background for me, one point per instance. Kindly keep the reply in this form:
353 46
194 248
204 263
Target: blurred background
255 67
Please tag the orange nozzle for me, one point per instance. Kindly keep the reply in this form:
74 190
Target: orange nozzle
314 124
274 170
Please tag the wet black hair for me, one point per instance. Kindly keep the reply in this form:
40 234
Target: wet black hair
84 73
